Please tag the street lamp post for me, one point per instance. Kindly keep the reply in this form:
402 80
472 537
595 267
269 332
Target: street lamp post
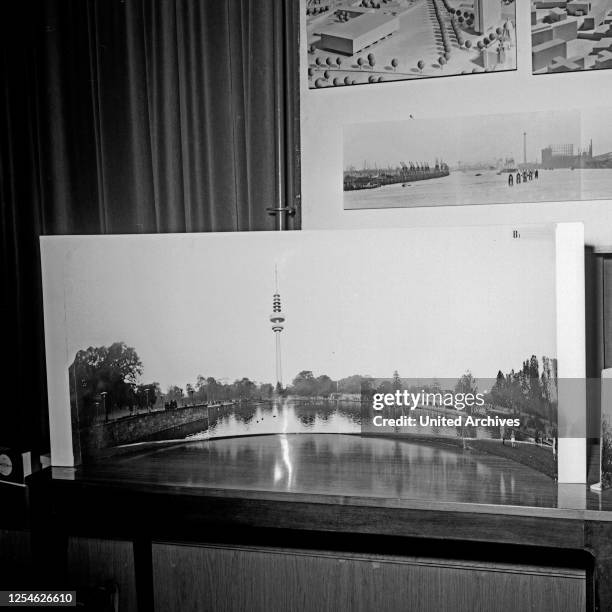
104 404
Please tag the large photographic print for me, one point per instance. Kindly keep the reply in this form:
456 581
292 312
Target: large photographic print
271 345
488 159
605 449
351 43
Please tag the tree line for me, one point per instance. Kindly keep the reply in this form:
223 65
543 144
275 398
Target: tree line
528 390
209 389
109 378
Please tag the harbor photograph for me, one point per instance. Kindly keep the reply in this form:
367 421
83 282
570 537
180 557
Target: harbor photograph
288 345
487 159
367 41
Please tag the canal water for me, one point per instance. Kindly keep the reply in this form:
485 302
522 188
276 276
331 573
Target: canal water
348 465
282 416
486 187
288 428
302 416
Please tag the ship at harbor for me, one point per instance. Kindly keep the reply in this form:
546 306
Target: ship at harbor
369 178
508 165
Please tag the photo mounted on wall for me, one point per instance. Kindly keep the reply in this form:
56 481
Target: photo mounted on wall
371 41
179 344
571 35
488 159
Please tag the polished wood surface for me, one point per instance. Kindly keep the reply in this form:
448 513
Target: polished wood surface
277 580
337 468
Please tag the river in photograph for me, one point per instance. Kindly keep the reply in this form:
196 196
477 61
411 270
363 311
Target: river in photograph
345 465
319 416
249 427
282 416
486 187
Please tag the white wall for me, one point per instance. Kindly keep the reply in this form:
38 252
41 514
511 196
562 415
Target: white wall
325 111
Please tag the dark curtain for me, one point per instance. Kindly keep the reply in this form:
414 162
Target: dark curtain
128 116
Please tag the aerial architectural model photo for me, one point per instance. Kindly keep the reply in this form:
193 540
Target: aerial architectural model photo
371 41
486 159
570 35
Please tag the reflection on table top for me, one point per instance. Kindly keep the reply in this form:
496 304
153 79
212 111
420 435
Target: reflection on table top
339 468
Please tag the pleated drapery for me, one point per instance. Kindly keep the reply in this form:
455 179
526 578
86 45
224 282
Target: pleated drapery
134 116
170 108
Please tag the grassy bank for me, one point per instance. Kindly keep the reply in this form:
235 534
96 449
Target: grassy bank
531 455
535 457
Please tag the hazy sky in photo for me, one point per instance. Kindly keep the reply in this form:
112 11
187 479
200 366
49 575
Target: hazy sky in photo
473 138
427 302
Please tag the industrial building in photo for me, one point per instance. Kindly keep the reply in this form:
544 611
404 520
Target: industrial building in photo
363 29
563 156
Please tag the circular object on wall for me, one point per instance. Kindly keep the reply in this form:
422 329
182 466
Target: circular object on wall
6 465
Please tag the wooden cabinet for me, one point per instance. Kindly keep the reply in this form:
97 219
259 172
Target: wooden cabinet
236 578
217 578
93 562
197 549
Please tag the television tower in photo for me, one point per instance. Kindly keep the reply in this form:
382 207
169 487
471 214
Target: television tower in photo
277 318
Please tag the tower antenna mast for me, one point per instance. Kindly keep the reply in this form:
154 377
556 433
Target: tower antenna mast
277 318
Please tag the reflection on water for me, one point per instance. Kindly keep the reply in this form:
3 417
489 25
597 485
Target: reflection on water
282 416
350 465
321 416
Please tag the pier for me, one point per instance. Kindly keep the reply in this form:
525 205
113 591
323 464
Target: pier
371 178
